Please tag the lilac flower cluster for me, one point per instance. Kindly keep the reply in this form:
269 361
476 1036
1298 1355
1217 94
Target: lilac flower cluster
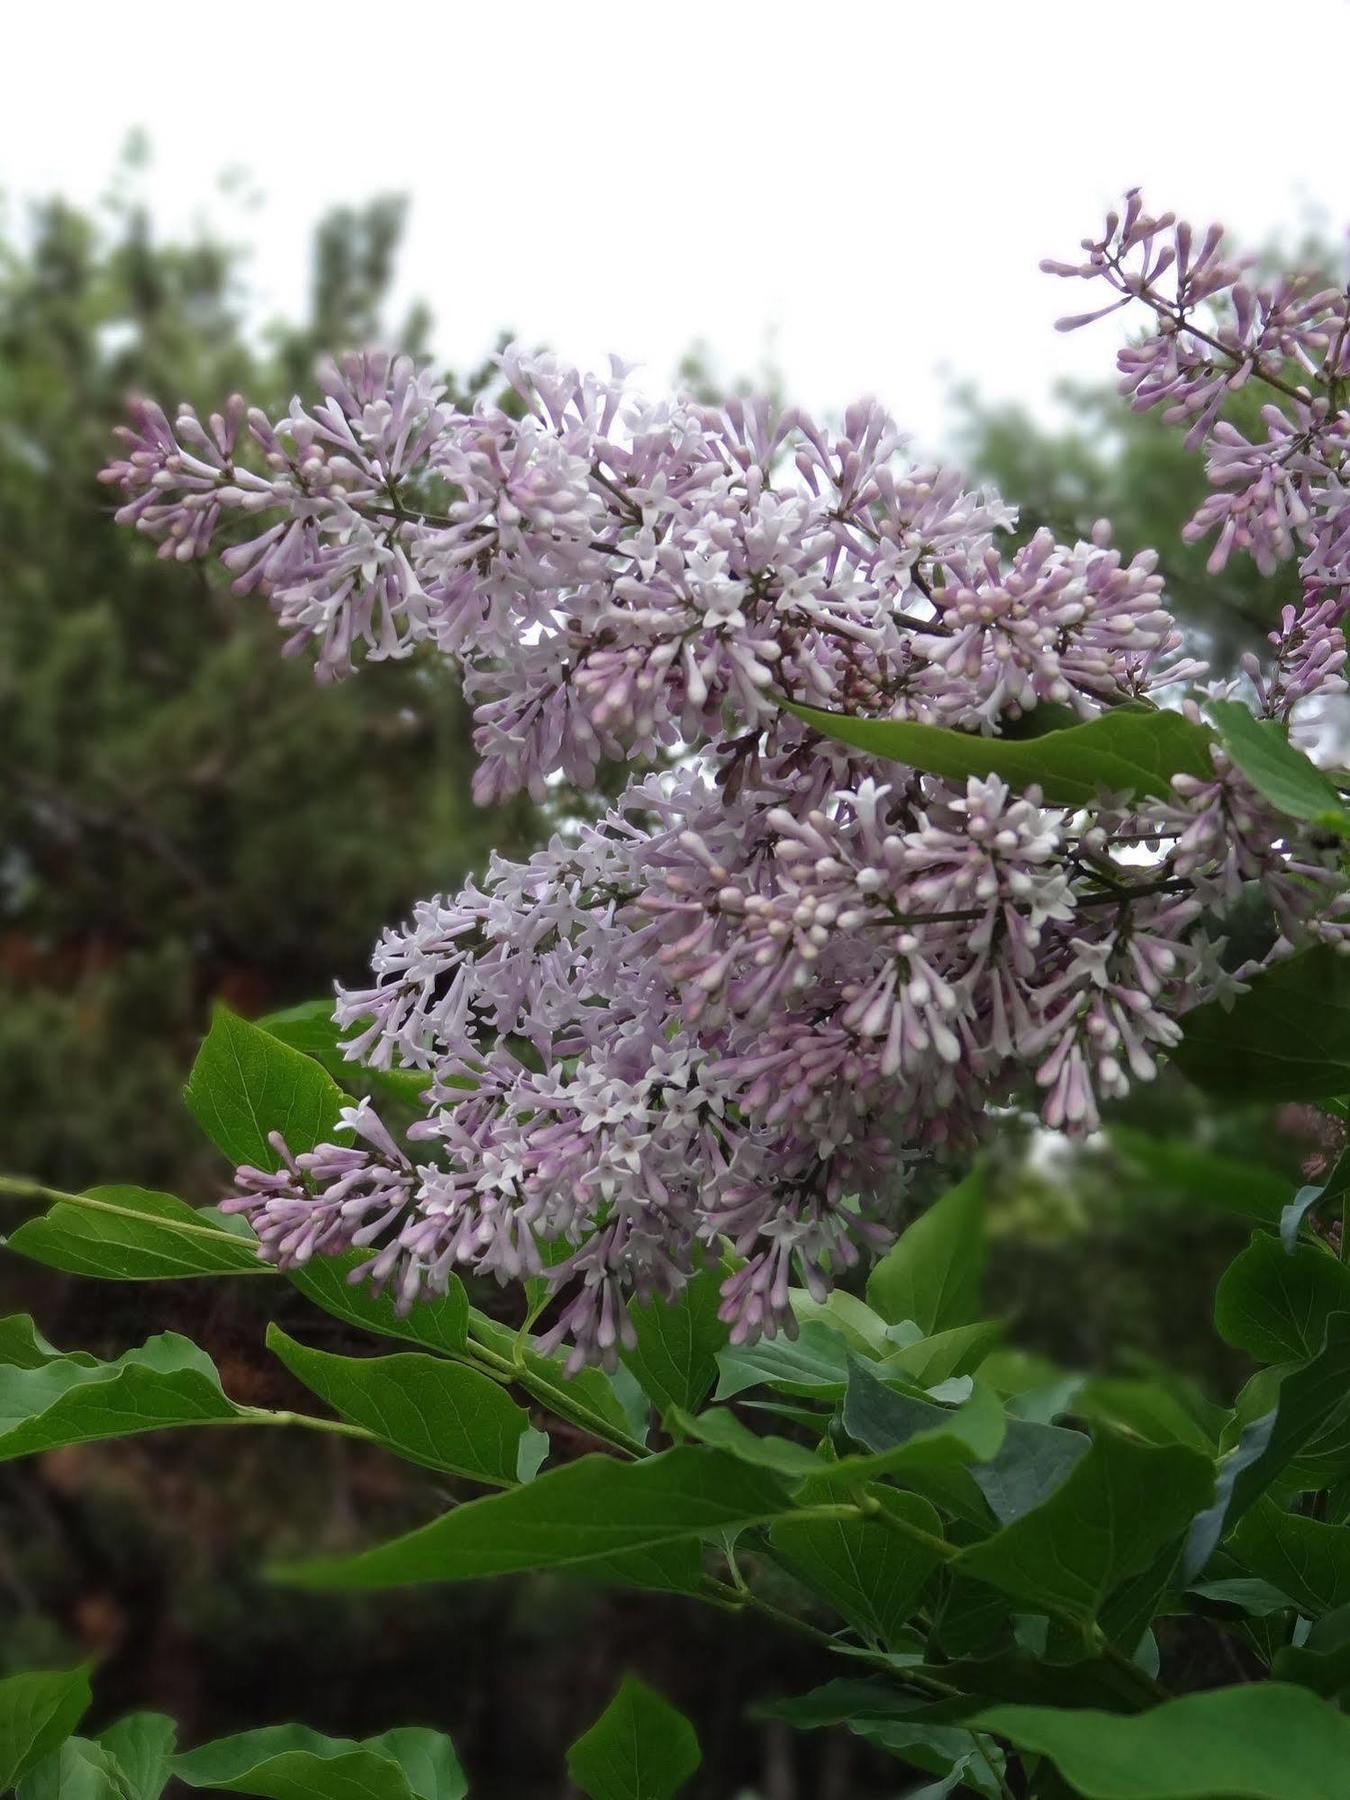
712 1025
1215 329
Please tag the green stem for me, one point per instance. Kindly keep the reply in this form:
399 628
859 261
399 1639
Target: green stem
985 1745
1115 1655
871 1509
24 1189
553 1396
262 1415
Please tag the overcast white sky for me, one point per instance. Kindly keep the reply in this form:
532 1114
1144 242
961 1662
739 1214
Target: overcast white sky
860 191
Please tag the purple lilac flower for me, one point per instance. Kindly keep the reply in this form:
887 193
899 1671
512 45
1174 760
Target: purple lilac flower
714 1026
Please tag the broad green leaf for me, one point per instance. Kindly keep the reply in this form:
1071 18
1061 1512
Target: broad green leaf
871 1576
1322 1661
675 1358
1302 1557
440 1324
1276 1305
1287 1038
813 1365
168 1381
932 1272
150 1237
880 1714
310 1028
22 1346
142 1744
918 1431
721 1429
1309 1397
1158 1411
1121 751
1230 1183
842 1312
945 1354
38 1709
1256 1599
1028 1466
639 1748
1115 1511
973 1620
580 1516
1129 1613
1256 1741
1018 1676
291 1762
1292 783
246 1084
79 1770
836 1702
427 1758
424 1408
939 1439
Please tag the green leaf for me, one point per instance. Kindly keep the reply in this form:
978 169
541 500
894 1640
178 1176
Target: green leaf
1107 1521
813 1365
1302 1557
246 1084
37 1710
1292 783
1159 1412
1308 1398
932 1273
1276 1305
877 1712
1231 1183
79 1770
168 1381
1287 1038
870 1575
1122 751
427 1758
1261 1741
639 1748
142 1744
721 1429
1028 1466
675 1359
1322 1661
935 1359
440 1324
844 1313
22 1346
918 1432
1018 1676
151 1237
580 1516
291 1762
310 1028
423 1408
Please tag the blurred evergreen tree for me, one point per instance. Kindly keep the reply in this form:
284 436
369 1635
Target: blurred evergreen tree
183 814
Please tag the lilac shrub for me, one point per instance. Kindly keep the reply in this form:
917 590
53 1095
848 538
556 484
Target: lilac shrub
732 1009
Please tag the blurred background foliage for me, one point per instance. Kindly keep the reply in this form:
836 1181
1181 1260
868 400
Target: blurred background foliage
185 816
